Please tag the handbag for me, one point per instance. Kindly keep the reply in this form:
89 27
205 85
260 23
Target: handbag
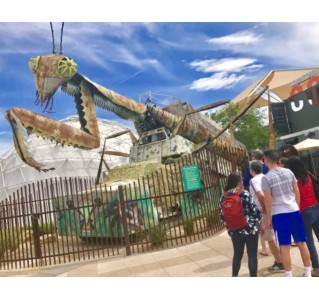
315 184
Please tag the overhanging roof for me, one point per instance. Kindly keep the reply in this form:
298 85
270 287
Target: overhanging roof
299 133
280 83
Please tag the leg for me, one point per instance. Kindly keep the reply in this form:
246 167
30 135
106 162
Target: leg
252 249
304 254
238 245
47 128
263 250
274 249
282 227
299 234
87 137
315 225
308 218
269 236
285 257
315 228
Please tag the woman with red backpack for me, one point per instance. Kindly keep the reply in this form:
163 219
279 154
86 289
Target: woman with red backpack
241 216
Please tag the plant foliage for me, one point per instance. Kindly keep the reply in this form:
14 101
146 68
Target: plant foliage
249 129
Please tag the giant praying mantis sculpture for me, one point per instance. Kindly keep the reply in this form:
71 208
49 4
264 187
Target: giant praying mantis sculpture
56 70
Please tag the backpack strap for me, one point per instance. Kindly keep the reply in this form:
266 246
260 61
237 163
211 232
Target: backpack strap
239 191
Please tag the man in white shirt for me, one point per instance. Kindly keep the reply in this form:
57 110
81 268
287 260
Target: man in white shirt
267 233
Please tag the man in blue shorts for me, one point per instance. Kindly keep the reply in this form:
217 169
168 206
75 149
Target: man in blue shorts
282 208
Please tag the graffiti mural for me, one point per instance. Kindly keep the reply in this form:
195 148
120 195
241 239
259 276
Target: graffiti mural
91 215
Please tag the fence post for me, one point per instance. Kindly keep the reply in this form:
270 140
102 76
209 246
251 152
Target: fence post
36 235
124 221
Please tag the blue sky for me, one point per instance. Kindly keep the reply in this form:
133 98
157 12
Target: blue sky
197 62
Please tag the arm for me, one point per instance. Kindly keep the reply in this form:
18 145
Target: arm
261 198
268 206
267 199
296 191
250 206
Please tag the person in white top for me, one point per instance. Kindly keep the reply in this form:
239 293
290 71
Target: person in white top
267 234
282 208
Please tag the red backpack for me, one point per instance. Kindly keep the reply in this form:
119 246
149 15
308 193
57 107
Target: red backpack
232 207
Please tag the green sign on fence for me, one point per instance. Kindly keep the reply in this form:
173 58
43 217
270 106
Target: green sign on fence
191 178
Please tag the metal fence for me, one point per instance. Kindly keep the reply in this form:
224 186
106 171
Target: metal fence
56 221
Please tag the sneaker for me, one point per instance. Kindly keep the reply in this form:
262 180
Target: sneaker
276 267
315 273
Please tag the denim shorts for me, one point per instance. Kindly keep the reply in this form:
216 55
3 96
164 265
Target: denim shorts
286 225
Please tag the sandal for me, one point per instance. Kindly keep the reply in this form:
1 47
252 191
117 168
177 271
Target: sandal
263 253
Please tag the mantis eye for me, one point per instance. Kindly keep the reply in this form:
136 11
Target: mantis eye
67 67
33 64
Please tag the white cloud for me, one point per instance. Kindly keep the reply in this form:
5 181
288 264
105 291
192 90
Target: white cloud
224 65
217 81
101 44
226 72
238 38
285 44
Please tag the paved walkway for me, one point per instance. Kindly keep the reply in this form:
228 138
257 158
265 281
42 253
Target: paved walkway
210 257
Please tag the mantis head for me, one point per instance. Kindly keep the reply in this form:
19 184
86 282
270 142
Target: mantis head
50 72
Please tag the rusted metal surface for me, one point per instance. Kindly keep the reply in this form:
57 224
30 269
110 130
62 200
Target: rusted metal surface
55 70
62 220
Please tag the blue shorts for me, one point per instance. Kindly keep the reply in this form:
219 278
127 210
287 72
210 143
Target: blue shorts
286 225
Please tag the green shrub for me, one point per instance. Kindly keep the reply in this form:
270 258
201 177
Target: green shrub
140 235
9 240
188 225
157 234
210 220
47 228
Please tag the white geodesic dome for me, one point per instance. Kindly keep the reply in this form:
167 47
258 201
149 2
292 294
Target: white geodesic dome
67 161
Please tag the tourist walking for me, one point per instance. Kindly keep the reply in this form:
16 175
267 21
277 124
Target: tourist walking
240 214
266 233
281 203
255 155
309 208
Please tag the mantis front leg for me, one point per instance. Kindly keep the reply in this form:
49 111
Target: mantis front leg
87 137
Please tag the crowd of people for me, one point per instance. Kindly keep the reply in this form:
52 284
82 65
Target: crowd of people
278 204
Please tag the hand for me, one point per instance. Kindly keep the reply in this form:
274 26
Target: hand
269 223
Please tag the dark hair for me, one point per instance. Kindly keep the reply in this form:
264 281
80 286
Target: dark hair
283 160
232 181
271 155
295 164
257 154
256 166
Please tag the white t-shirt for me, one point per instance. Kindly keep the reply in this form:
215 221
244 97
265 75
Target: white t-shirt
254 187
279 182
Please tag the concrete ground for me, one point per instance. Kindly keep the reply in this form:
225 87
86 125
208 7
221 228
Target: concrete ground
209 257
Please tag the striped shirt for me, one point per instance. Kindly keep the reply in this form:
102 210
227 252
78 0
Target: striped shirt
279 182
